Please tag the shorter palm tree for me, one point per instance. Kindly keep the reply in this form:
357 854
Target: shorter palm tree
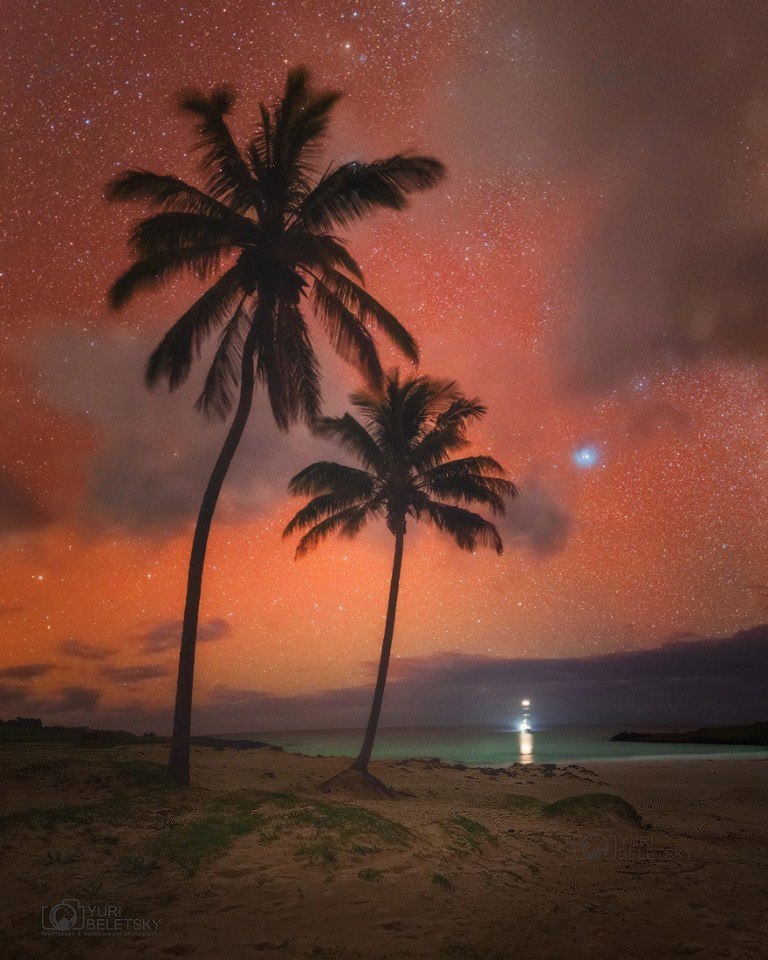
403 441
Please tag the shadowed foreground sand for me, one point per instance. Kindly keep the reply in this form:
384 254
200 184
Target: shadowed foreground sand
475 864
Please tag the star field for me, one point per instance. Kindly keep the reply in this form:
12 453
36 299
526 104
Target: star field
643 494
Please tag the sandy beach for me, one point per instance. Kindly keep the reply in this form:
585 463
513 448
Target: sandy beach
468 863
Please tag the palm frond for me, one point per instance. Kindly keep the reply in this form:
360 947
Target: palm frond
347 523
460 410
326 475
447 435
260 148
466 467
490 491
468 529
321 507
288 365
148 273
223 377
229 178
354 190
168 193
353 436
400 415
173 356
437 445
165 232
301 128
321 251
368 309
349 337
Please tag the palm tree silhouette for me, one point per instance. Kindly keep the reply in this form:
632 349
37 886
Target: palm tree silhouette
403 442
263 226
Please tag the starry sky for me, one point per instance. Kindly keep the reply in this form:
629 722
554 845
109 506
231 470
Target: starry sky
595 267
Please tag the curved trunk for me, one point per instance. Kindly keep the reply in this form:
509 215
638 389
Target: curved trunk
178 763
363 758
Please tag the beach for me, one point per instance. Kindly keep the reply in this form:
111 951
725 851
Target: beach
670 860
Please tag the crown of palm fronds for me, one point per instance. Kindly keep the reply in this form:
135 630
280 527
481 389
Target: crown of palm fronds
263 226
403 441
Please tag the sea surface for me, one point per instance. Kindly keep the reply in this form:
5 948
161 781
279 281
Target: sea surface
495 746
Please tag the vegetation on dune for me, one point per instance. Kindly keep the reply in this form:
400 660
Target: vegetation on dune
466 835
522 804
188 843
440 880
593 809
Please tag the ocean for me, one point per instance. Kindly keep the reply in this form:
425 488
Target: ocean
495 746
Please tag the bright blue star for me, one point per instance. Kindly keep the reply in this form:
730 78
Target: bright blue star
586 456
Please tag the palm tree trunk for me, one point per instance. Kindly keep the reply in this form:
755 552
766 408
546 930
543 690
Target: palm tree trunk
364 757
178 762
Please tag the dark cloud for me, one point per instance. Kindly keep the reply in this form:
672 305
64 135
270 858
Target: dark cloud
73 699
135 674
685 680
658 112
154 451
536 519
8 610
15 697
84 651
688 680
165 636
26 671
20 510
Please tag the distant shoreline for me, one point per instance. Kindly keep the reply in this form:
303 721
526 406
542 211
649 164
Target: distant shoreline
32 730
748 735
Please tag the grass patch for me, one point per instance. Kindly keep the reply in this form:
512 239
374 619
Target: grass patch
36 768
139 866
189 843
522 805
90 889
440 880
319 852
459 951
466 835
349 822
243 801
211 832
370 875
335 830
142 773
593 809
364 849
59 857
36 818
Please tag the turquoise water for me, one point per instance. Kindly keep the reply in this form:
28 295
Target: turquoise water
495 746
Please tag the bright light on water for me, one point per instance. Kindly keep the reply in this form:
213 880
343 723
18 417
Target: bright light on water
526 746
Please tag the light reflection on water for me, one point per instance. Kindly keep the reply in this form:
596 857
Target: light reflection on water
526 746
492 746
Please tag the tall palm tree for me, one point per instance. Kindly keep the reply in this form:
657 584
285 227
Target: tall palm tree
261 231
403 443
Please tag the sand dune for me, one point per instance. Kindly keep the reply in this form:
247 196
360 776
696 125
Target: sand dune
473 864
